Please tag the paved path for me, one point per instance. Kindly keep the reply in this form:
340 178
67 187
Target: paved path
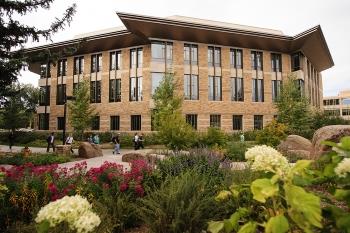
93 162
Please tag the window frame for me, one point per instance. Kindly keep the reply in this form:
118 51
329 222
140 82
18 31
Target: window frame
192 119
256 124
114 123
234 89
240 123
135 122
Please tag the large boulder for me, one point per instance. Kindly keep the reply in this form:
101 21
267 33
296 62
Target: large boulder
294 144
132 156
88 150
328 133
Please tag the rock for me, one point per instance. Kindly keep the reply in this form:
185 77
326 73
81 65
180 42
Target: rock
88 150
295 155
132 156
295 143
153 158
62 149
328 133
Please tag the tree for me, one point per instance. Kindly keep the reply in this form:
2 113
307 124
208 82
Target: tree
15 34
293 107
81 112
30 99
172 128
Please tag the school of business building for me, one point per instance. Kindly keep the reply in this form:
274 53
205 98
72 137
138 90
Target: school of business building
338 105
230 74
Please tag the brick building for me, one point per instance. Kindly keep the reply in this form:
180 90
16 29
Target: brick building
338 105
229 74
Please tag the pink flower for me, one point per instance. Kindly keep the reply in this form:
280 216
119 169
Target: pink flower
123 187
105 186
139 190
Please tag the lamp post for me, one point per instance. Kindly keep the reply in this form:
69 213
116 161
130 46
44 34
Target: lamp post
65 117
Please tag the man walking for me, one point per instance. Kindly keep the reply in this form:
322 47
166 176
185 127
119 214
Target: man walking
136 141
116 141
69 141
50 142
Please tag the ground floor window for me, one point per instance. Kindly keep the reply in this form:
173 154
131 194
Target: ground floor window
95 124
60 123
135 122
115 123
43 121
237 122
215 121
258 122
192 120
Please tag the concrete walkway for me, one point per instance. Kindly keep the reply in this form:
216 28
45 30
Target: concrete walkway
93 162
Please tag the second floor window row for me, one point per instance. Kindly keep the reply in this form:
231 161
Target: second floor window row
236 58
96 63
78 65
62 67
136 58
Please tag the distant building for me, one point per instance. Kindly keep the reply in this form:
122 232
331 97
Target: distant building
338 105
230 74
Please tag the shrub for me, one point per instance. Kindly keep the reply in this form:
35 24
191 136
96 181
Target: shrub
272 134
213 136
235 150
35 159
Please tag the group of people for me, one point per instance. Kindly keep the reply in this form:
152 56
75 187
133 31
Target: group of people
94 139
138 141
51 142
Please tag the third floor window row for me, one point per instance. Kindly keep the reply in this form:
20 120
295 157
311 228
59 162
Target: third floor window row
256 60
78 65
214 56
96 63
62 67
162 51
136 58
191 54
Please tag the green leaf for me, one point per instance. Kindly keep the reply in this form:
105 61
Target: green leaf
249 227
215 226
329 143
263 189
300 166
43 227
223 195
240 213
304 208
277 224
343 195
345 142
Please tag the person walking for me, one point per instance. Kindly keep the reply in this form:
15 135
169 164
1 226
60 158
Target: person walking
141 141
11 140
50 142
116 141
136 141
96 139
69 141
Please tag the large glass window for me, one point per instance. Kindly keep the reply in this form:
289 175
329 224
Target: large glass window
214 88
115 60
115 90
296 61
257 90
237 122
43 123
236 58
237 90
115 123
215 120
45 68
191 54
95 123
136 89
214 56
191 87
156 80
258 122
161 51
135 122
346 112
345 101
61 94
78 65
62 67
95 91
96 63
136 58
192 120
276 62
257 60
44 96
276 89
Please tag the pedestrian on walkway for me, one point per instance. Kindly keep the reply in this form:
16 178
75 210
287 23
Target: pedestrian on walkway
96 139
50 142
11 140
141 138
89 139
69 141
116 141
136 141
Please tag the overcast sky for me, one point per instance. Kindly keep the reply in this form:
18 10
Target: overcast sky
292 17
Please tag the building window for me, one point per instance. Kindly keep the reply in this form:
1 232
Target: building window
257 60
237 90
276 62
45 68
191 87
258 122
115 60
257 90
301 86
115 123
236 58
276 89
237 122
115 90
136 58
62 67
60 123
192 120
95 91
161 51
345 101
191 54
96 63
214 56
43 121
44 96
135 122
215 121
78 65
333 112
156 80
61 94
95 123
346 112
296 61
135 89
214 88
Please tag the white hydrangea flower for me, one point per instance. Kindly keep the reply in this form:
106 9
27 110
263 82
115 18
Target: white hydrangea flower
265 158
343 168
75 210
